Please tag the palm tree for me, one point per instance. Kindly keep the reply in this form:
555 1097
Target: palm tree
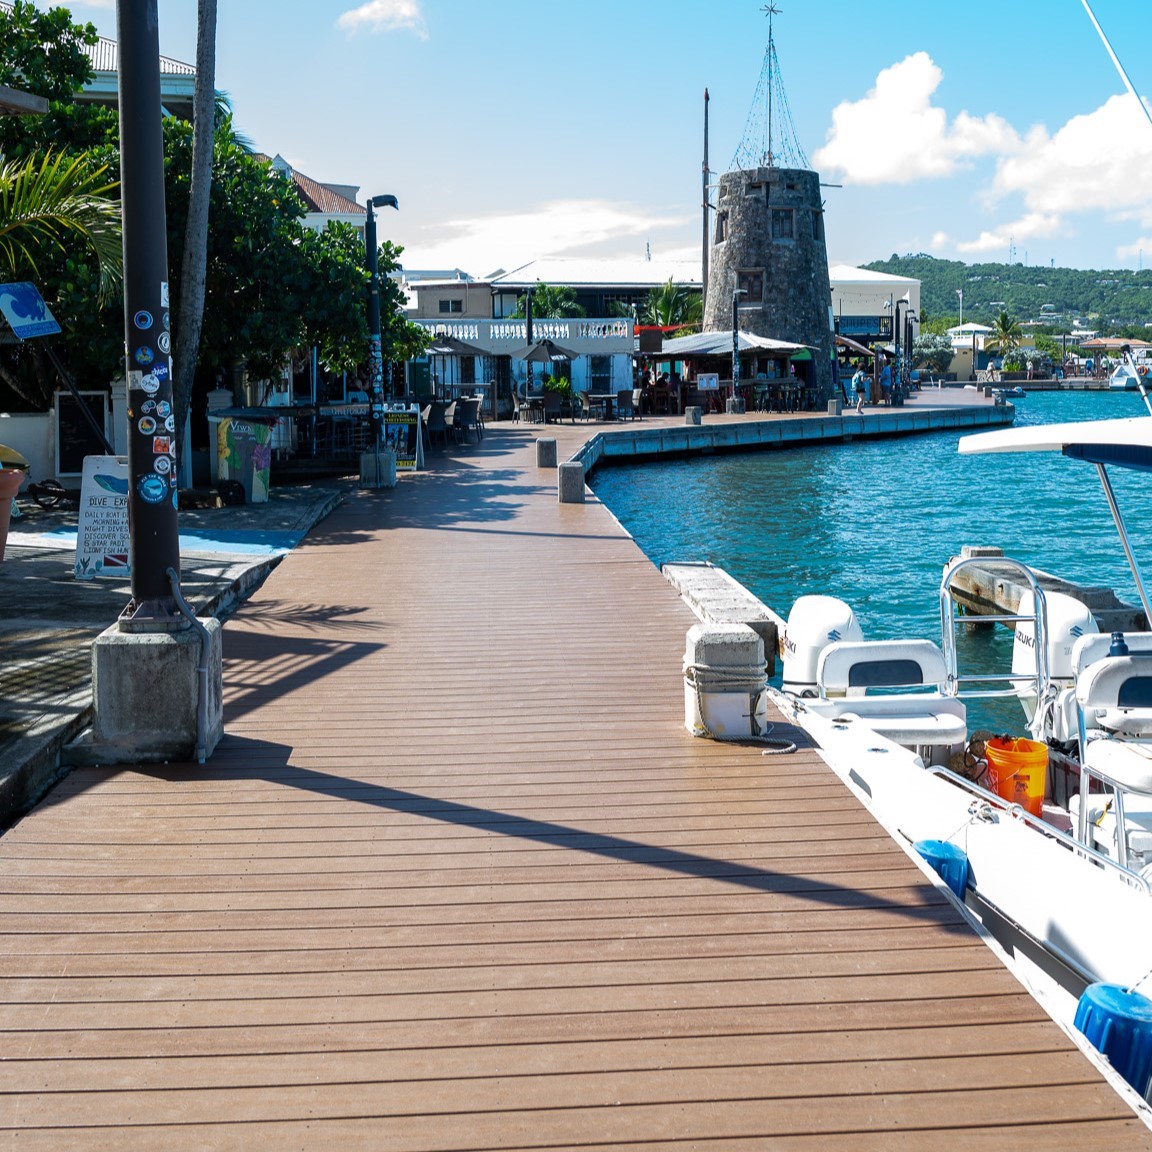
550 301
673 306
207 106
56 203
1006 335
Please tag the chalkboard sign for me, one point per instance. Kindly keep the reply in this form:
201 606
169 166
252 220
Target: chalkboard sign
75 438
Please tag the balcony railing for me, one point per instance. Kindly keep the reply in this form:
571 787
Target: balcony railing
590 337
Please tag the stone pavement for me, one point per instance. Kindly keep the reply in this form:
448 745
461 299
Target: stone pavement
49 619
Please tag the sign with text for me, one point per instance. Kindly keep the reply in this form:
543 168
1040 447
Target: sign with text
708 382
102 532
402 435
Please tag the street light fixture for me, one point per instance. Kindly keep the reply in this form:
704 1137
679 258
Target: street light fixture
375 358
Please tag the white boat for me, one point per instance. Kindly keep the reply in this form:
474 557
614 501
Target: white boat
1123 379
1064 888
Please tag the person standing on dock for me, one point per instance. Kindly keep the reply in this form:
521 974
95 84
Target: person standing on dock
860 386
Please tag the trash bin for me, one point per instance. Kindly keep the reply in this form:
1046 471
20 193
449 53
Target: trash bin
244 453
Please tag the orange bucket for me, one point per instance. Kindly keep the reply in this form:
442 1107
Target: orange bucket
1018 771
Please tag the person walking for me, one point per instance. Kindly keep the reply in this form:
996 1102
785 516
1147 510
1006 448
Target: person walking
860 386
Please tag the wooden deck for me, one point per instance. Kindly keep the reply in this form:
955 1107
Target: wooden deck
457 878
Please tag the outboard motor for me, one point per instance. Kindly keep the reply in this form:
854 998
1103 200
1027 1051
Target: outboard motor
1068 620
813 624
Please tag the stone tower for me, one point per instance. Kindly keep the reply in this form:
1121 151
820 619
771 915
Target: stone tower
768 233
768 239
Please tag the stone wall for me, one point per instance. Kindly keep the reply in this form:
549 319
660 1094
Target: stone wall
768 235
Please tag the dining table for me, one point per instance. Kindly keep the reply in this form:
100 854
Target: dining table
606 399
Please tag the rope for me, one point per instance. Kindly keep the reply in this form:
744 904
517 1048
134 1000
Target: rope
738 681
1133 987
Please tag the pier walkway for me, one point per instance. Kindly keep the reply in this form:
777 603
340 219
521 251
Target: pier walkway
457 878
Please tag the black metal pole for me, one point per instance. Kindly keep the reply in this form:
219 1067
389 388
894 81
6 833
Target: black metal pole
375 358
152 501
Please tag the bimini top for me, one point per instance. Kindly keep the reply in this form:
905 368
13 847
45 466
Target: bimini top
1126 443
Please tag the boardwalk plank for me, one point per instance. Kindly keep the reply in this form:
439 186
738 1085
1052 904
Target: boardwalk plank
458 878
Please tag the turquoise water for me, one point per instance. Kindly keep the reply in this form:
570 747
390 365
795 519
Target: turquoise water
874 523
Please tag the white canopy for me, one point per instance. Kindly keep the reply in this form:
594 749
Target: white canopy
720 344
1126 442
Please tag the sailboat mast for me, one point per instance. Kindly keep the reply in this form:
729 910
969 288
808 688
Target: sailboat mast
705 206
1116 60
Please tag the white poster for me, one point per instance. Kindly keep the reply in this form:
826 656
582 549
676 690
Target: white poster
102 533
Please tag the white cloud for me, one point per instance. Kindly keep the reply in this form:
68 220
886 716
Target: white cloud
1137 248
1033 225
895 135
479 244
384 16
1098 162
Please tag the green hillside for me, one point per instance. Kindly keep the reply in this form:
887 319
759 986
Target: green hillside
1109 301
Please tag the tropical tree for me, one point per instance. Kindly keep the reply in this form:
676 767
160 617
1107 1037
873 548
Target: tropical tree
932 350
1005 336
59 227
194 264
673 306
547 300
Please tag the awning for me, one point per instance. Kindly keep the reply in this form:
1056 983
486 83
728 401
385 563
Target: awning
859 349
720 344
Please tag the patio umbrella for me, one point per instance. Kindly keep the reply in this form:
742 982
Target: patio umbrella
542 351
444 346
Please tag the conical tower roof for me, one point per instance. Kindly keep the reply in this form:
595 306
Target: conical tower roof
769 139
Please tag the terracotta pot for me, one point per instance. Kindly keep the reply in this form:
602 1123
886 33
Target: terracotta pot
10 481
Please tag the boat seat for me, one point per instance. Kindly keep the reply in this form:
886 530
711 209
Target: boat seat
851 667
848 669
1094 646
1115 694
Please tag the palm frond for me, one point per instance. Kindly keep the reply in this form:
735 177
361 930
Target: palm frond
59 202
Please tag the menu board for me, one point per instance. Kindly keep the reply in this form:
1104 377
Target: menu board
708 382
402 435
102 538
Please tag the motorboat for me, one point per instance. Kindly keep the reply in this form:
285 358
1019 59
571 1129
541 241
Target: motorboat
1124 379
1056 844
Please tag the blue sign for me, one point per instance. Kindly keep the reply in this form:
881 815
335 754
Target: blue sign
24 309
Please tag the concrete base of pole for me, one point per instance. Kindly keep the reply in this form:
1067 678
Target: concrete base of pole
570 486
387 475
545 453
835 406
145 690
735 406
693 415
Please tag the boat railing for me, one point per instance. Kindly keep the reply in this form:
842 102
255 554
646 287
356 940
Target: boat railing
1018 812
1018 682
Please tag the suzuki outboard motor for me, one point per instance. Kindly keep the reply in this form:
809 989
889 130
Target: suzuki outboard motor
813 624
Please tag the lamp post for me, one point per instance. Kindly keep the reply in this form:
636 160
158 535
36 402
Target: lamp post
736 402
960 293
900 353
154 539
375 358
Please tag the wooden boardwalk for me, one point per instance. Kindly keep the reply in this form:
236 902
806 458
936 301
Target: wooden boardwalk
457 878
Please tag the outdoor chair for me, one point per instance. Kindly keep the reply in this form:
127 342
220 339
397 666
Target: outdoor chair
590 407
553 403
638 403
624 407
450 422
434 424
468 418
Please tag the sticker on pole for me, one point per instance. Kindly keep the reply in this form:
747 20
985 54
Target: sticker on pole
102 536
24 309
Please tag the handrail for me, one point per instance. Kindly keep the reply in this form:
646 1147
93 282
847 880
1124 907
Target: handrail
1020 813
1041 677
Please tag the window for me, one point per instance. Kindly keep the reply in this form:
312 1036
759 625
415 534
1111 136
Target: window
600 374
817 225
752 283
721 227
447 306
754 188
782 224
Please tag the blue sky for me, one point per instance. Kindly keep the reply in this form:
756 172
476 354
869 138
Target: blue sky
511 129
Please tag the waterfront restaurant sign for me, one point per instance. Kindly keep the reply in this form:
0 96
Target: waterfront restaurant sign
102 530
708 381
